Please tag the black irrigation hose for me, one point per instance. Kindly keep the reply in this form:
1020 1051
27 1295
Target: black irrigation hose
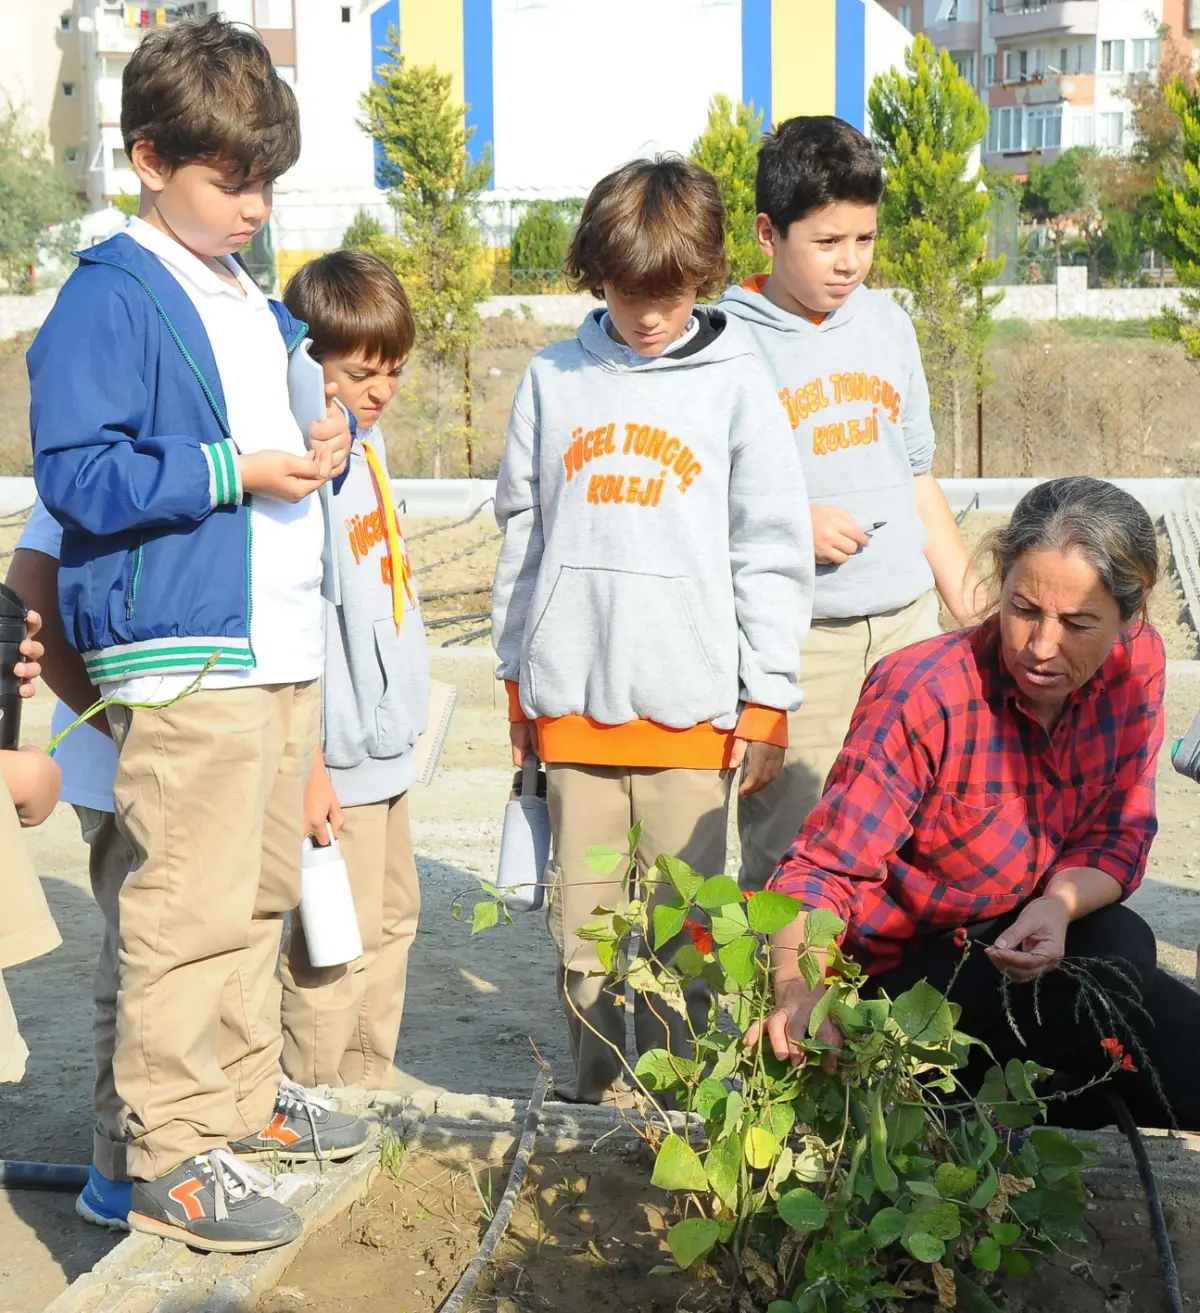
41 1176
443 528
1154 1204
442 621
458 1297
460 639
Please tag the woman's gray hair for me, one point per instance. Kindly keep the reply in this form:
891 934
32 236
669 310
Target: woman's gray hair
1105 525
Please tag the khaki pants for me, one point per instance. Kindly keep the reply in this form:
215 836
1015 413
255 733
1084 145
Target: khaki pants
209 793
341 1024
684 813
28 928
109 861
835 660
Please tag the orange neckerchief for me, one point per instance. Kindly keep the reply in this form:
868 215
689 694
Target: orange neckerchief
401 570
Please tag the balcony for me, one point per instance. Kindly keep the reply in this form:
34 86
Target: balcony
954 36
1010 20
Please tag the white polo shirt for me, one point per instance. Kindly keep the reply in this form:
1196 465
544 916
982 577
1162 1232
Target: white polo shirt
287 612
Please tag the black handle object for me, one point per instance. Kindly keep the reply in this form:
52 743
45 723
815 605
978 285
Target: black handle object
41 1176
13 630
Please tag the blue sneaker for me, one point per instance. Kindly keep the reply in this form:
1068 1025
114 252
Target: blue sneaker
105 1203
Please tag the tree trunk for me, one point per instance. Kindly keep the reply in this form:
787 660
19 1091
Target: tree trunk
956 401
439 414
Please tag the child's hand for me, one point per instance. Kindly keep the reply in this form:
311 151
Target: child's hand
836 535
522 734
321 807
33 780
283 477
763 762
332 434
30 668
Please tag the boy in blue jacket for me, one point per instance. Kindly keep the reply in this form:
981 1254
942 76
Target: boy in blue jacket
190 583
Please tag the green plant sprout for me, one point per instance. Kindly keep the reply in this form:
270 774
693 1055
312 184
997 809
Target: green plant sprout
817 1193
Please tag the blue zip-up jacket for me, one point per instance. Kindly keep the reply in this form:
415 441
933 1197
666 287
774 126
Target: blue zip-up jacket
132 455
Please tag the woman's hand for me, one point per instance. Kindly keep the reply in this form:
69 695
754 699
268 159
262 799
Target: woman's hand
763 762
787 1026
1035 942
29 667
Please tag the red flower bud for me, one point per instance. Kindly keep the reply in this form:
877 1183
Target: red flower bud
701 936
960 937
1127 1065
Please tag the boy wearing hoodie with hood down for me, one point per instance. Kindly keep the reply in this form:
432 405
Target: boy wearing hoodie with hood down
654 584
847 371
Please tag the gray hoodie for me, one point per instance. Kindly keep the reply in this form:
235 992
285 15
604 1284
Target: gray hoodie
657 560
376 680
854 392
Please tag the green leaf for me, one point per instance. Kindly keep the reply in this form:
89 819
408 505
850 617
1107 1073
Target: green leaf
994 1089
669 917
606 951
738 959
821 1011
1054 1149
779 1119
923 1189
924 1015
809 1164
987 1191
1018 1081
1005 1233
768 911
485 915
761 1148
723 1164
710 1097
718 891
601 927
906 1125
690 1240
822 927
656 1071
986 1255
970 1297
728 1060
1016 1264
810 969
886 1227
943 1221
681 875
603 859
728 925
677 1167
689 961
634 837
954 1181
782 1306
781 1171
803 1211
925 1248
1012 1116
734 1106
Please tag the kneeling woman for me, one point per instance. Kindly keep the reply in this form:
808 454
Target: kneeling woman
1001 779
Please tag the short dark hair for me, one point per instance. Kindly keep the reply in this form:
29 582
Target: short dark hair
207 93
653 228
352 302
1107 526
812 161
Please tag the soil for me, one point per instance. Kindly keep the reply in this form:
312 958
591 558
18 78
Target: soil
589 1229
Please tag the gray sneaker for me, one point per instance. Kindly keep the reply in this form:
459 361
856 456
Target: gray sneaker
214 1202
305 1128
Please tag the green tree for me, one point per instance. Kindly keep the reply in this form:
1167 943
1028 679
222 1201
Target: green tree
35 196
363 232
540 241
435 187
1176 212
728 149
926 123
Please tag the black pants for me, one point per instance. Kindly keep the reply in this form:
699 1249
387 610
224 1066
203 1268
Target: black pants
1167 1026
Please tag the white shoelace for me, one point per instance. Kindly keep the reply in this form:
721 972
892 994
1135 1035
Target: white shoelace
295 1098
233 1179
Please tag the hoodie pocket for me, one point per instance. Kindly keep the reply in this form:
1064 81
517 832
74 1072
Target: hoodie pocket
403 706
618 645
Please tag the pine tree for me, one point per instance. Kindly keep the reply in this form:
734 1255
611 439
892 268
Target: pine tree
34 194
933 223
437 252
728 149
1176 216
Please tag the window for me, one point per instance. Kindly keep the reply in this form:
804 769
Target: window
989 70
1083 132
1112 56
71 154
64 22
1043 129
1112 130
273 13
68 89
1037 62
904 14
1008 136
1145 55
965 67
345 13
119 159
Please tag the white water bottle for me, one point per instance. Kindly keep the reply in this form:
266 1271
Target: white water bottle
525 843
327 905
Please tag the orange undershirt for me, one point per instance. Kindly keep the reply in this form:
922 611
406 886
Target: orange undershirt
582 741
756 283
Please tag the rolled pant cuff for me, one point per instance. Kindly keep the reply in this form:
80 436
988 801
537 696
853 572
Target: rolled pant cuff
109 1157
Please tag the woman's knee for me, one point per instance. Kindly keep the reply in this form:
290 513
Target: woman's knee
1116 932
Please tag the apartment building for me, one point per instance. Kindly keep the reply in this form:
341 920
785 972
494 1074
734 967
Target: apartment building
1051 72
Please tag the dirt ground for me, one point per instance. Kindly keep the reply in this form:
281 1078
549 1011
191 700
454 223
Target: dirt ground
589 1229
475 1005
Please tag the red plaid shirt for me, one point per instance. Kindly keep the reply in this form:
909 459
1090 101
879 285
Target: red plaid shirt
950 803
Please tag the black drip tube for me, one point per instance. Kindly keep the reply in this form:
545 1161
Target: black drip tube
16 1175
